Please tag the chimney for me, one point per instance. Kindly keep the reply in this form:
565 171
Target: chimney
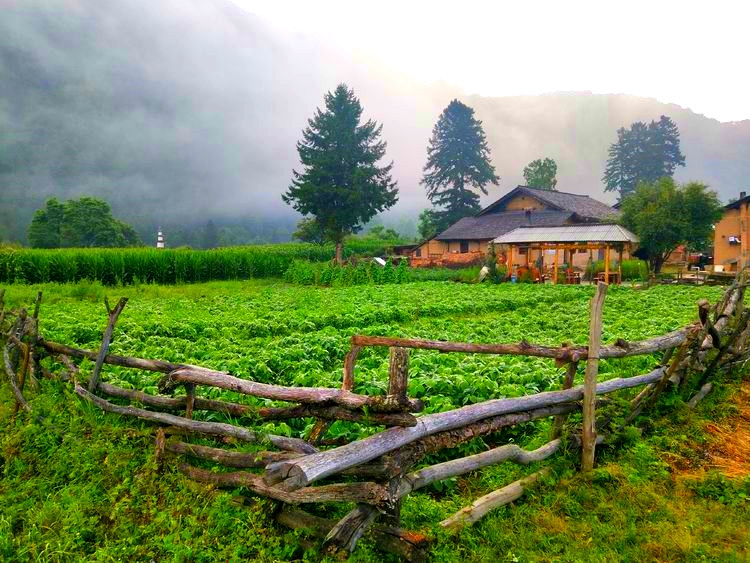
742 194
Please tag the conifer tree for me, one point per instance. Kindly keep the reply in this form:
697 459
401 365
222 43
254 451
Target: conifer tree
643 153
458 161
342 185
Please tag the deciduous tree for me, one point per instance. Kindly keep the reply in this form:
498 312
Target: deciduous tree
458 162
541 174
342 185
666 215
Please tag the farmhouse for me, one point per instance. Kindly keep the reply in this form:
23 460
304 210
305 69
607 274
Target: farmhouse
467 240
732 236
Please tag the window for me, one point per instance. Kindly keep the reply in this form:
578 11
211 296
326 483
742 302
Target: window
522 250
418 253
464 246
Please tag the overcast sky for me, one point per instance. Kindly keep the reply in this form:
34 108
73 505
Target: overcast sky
686 52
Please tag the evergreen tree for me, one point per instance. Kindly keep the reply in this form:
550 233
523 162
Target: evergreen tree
541 174
643 153
458 159
342 186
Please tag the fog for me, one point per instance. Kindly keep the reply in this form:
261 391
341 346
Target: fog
181 111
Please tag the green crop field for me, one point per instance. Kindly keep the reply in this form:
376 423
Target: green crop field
81 485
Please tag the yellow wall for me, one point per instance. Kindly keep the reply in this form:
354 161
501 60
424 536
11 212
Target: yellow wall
733 223
521 203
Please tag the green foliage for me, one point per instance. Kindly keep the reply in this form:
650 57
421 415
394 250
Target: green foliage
665 215
458 160
309 230
335 275
165 266
79 484
79 223
632 270
428 224
342 186
541 174
44 231
643 153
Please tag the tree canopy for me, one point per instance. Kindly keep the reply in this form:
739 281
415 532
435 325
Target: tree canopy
458 161
666 215
83 222
643 153
342 185
541 174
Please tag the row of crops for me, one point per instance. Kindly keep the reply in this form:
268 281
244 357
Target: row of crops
295 335
167 266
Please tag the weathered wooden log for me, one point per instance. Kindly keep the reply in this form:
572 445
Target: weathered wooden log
700 395
398 376
305 395
369 493
347 531
461 466
112 315
397 463
211 428
160 366
351 358
298 473
258 413
565 353
592 372
239 460
480 507
11 373
408 546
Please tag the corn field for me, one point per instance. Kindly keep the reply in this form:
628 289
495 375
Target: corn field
125 266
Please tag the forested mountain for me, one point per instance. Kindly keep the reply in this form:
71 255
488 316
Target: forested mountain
181 111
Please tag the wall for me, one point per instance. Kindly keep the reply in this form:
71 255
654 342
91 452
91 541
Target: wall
521 203
729 225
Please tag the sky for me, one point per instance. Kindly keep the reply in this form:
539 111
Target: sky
689 53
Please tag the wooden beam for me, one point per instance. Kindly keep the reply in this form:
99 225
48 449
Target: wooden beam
557 259
606 264
299 472
592 370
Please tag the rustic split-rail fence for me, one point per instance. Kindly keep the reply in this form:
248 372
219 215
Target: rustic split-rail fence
375 473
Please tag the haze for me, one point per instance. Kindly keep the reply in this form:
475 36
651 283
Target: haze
181 111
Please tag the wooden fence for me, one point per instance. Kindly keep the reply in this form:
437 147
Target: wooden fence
377 472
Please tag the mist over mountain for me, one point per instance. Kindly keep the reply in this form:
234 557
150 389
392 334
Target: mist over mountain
181 111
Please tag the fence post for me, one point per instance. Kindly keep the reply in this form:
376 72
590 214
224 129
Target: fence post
592 370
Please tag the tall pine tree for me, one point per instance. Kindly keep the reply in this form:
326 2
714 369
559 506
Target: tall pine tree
342 186
643 153
458 160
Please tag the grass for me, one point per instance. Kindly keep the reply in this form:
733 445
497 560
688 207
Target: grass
82 485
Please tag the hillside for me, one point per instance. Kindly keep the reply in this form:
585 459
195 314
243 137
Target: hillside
189 110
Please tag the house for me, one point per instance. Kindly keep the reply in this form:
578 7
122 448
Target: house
732 236
467 240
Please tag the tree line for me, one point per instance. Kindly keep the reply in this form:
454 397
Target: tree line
343 184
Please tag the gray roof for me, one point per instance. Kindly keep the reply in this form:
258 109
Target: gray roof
487 227
580 204
567 233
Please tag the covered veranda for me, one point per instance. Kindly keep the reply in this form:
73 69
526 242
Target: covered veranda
567 242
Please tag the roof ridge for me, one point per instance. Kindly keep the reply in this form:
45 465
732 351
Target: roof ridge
558 192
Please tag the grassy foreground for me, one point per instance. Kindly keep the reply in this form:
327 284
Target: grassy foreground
82 485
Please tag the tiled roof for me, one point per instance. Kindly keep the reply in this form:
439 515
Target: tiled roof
487 227
582 205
